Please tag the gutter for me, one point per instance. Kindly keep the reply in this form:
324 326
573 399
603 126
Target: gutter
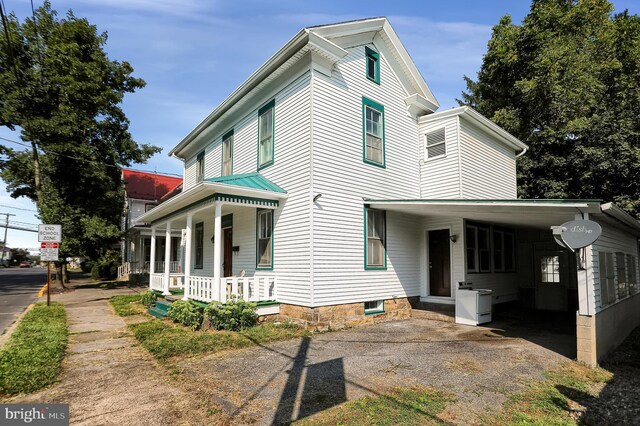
620 215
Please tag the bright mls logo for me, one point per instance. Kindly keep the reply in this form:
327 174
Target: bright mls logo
34 414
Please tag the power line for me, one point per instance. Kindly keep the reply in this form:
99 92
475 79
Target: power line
18 208
86 160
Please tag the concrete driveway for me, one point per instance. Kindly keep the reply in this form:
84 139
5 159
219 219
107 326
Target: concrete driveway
280 382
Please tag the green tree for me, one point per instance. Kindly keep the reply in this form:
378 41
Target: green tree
567 82
61 91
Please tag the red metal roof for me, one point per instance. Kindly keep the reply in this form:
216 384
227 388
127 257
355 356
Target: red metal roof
148 186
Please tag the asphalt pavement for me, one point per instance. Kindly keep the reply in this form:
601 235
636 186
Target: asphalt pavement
19 287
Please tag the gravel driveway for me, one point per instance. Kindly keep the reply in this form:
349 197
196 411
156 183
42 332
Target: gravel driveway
284 381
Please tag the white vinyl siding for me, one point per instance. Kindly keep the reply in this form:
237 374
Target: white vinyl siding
440 177
487 167
343 179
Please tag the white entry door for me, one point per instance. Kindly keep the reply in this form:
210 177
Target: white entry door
551 277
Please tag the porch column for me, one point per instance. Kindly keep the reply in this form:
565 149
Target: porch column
217 246
152 266
167 259
187 257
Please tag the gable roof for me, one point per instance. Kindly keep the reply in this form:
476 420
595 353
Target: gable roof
249 180
329 43
148 186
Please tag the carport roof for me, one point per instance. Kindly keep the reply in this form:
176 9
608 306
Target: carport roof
523 213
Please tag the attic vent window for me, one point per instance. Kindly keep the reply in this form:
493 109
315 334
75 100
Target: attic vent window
373 65
435 144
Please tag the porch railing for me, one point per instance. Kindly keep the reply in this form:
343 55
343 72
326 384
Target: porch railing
128 268
254 289
156 282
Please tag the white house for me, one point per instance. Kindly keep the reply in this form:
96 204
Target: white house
328 183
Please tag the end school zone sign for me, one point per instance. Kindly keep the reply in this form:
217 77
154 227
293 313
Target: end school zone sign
50 233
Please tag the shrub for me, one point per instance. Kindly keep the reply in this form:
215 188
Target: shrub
235 315
148 298
186 313
87 266
106 269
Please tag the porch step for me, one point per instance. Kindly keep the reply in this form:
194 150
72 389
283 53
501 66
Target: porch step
162 306
434 311
156 312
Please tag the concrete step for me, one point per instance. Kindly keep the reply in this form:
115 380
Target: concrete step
157 313
443 316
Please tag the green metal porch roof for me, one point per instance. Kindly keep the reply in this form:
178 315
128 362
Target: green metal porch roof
248 180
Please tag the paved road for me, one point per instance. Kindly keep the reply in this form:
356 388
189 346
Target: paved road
18 288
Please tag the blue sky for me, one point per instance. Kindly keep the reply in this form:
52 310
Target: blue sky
194 53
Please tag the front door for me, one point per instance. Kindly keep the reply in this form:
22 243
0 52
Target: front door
439 263
227 265
551 280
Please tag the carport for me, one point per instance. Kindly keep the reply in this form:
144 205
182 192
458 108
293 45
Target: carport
507 246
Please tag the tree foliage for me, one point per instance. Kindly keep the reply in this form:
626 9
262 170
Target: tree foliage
567 82
61 91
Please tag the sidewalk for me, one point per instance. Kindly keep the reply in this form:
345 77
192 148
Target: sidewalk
107 378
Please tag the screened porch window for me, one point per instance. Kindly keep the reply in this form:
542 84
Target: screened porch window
227 154
265 239
373 132
266 123
199 245
478 245
376 228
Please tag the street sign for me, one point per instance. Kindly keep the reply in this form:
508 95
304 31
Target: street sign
50 233
577 234
48 252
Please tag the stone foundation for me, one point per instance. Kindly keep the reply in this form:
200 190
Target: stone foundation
336 317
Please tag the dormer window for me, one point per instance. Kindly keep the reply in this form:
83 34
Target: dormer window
373 65
200 167
435 144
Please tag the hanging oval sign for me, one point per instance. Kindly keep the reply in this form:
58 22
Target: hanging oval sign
578 233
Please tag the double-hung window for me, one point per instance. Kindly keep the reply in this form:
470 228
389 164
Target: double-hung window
478 247
199 237
373 121
631 274
435 144
373 65
375 234
227 154
607 276
266 123
621 275
264 255
200 167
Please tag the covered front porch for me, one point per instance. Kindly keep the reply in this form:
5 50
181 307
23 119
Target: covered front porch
226 245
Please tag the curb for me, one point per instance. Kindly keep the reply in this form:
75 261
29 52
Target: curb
42 290
12 327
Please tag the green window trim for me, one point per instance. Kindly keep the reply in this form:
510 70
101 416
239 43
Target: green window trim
382 266
200 167
259 213
372 63
271 105
227 137
198 258
369 105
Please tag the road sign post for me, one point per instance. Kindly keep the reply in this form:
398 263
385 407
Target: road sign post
50 236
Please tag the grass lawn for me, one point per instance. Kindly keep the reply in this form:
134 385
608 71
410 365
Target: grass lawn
127 305
31 358
555 400
404 406
165 340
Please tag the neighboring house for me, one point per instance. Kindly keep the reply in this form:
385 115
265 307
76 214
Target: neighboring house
144 191
5 255
328 183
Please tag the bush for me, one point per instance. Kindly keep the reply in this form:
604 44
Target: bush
106 269
87 266
186 313
148 298
235 315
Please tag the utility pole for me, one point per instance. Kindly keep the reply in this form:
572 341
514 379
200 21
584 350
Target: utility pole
6 227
